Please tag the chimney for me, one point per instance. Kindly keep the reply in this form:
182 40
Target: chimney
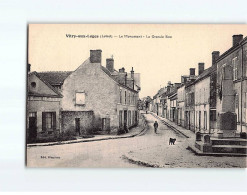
122 70
28 67
200 68
184 79
215 56
132 73
95 56
110 64
192 71
236 39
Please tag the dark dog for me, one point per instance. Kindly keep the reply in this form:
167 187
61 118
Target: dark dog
172 141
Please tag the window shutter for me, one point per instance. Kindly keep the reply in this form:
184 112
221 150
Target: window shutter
43 121
54 120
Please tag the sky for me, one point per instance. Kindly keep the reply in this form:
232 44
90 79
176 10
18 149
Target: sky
158 60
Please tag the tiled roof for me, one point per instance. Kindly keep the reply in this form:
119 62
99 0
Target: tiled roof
55 77
48 84
115 78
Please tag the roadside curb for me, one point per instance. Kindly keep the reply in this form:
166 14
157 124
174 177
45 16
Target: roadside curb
170 126
141 162
144 129
200 153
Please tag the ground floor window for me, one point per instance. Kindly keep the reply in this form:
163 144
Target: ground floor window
120 118
48 121
237 106
129 117
199 120
133 117
205 120
105 124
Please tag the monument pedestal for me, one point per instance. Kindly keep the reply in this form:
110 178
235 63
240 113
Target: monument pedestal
225 134
227 125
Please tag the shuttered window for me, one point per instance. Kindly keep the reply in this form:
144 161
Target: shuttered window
235 69
48 121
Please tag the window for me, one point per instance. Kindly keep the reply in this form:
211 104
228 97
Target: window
237 106
48 120
120 96
205 119
80 98
105 124
33 84
125 97
129 97
120 118
129 118
235 69
32 114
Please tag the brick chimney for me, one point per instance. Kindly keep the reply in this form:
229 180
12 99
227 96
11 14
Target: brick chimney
215 56
200 68
132 73
95 56
110 64
192 71
236 39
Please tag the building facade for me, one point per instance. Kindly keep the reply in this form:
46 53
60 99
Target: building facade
93 98
43 108
181 105
236 58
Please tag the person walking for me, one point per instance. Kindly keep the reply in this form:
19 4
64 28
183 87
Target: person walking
155 126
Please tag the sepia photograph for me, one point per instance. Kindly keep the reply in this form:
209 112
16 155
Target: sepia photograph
136 95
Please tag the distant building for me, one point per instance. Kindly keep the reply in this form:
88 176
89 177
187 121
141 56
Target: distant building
190 102
181 104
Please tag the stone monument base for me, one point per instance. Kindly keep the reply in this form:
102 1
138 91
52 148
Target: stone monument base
225 134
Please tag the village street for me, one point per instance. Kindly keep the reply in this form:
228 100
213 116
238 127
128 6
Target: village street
151 148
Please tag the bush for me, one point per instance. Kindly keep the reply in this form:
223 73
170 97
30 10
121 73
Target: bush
64 136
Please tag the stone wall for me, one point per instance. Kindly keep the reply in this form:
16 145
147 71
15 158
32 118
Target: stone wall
86 121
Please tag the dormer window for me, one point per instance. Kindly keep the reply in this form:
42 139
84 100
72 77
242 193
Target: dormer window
33 84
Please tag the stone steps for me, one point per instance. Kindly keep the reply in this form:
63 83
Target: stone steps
232 141
229 149
200 153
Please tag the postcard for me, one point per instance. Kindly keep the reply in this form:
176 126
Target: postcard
136 95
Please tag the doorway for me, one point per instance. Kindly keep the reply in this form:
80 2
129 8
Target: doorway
32 134
125 119
77 126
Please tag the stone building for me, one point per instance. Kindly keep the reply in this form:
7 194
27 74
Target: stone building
190 101
91 98
202 99
236 58
181 105
110 96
